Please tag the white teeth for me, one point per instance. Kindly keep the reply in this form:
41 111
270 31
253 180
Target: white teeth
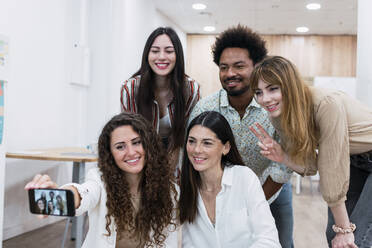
198 159
272 107
132 160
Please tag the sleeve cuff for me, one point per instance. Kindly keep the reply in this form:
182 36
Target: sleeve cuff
337 202
83 191
308 171
280 173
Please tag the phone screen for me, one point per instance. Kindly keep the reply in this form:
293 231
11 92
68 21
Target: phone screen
57 202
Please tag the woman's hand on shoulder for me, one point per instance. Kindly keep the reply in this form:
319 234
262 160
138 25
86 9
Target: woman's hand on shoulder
269 147
41 181
344 240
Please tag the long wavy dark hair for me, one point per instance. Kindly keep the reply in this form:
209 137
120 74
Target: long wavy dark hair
38 209
190 178
146 96
156 185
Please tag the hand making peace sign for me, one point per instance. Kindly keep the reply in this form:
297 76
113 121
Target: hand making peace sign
269 147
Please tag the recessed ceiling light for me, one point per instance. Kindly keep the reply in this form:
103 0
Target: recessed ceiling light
302 29
209 28
313 6
199 6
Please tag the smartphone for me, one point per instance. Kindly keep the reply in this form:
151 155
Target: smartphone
57 202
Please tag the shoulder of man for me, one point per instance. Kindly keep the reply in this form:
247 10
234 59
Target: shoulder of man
210 102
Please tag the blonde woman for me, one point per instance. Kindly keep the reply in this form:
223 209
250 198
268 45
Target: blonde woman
339 127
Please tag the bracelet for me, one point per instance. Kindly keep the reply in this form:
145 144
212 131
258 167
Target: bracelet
349 229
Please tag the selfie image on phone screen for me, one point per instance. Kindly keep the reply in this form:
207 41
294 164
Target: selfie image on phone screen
51 202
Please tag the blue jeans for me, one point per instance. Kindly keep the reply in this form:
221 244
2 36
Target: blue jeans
359 202
282 212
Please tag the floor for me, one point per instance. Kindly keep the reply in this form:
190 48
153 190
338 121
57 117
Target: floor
46 237
310 217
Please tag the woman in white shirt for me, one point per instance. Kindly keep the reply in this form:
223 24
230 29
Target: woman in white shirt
130 196
221 204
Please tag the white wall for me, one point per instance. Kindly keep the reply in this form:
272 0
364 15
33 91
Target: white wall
2 176
42 108
345 84
4 76
40 105
364 52
119 29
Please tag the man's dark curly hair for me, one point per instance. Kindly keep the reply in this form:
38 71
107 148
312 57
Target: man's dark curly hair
241 37
157 187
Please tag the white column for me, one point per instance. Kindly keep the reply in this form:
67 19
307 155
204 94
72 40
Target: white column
4 75
364 52
2 178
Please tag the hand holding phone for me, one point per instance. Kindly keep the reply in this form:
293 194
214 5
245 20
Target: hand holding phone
46 199
41 181
57 202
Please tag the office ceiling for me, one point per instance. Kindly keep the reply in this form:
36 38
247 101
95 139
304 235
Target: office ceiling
264 16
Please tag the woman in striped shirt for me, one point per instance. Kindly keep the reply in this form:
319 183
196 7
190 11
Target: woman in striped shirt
161 91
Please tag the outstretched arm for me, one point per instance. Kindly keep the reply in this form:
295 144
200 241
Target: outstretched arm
44 181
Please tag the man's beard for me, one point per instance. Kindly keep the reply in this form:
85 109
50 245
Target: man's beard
235 92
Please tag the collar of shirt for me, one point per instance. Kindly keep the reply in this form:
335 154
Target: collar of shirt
227 178
224 101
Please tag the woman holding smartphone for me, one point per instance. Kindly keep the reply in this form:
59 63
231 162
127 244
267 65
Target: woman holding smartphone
338 127
161 91
130 196
221 204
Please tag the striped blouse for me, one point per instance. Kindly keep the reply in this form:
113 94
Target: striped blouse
129 91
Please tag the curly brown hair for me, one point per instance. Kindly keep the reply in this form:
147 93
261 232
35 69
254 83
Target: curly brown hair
156 185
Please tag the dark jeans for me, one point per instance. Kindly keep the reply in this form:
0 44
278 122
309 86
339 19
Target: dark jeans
359 201
282 212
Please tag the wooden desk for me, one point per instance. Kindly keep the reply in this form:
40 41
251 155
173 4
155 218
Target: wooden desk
78 156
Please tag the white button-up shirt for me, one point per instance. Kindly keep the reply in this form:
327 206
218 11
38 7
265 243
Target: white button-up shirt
243 217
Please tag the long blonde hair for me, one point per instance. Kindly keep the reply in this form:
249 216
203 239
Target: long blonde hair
297 119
